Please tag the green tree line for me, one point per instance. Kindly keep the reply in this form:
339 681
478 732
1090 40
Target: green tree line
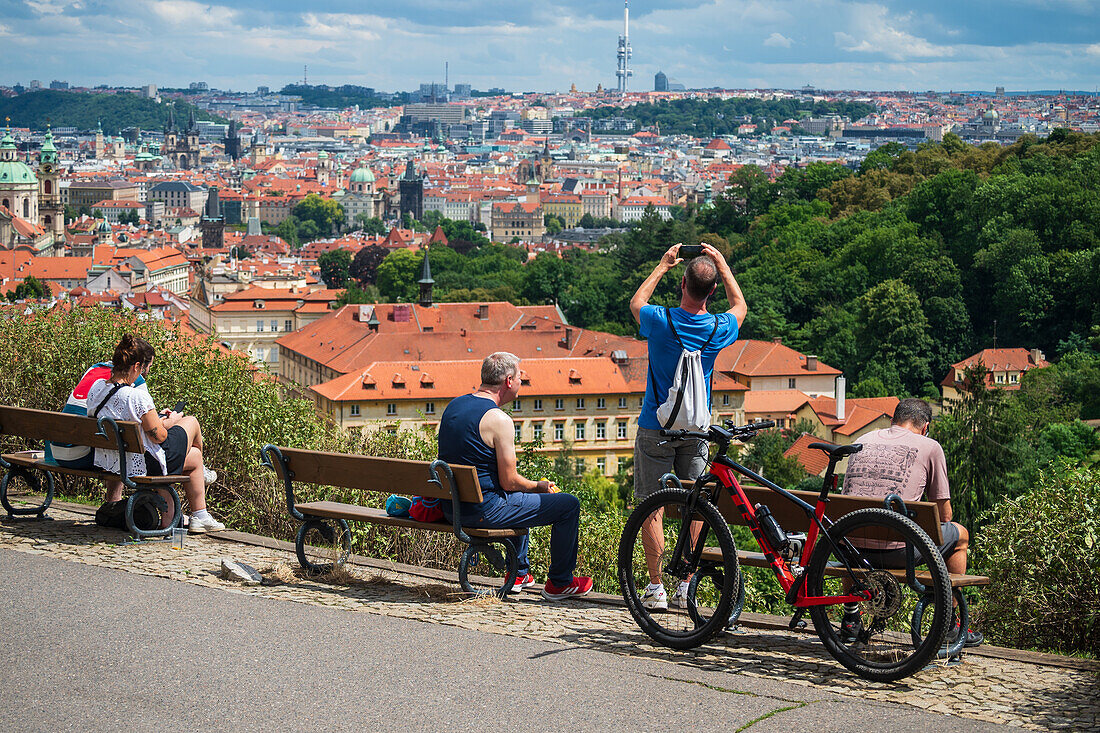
709 117
85 111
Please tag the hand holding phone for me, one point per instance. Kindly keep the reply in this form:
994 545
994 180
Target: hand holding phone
689 251
180 407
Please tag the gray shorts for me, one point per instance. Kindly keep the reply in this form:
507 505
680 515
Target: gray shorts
686 458
895 559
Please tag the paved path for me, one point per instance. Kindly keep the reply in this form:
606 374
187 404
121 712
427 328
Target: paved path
270 653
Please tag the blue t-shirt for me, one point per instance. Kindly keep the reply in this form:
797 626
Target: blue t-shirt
664 350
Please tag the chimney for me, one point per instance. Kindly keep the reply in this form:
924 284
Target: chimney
567 341
482 312
841 388
777 340
1037 356
811 362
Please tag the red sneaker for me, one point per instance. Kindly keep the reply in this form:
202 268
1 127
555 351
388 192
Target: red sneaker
579 586
525 582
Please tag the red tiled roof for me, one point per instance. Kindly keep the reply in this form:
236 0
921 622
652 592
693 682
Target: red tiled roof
813 460
767 358
771 401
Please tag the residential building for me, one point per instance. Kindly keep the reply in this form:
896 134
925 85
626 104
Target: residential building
522 219
769 366
179 195
88 193
1005 367
566 206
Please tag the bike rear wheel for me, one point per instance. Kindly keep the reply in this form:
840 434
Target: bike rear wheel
882 645
703 613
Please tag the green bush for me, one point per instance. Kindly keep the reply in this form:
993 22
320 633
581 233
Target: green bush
1042 553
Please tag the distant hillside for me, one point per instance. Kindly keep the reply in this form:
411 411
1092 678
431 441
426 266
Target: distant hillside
341 97
709 117
84 111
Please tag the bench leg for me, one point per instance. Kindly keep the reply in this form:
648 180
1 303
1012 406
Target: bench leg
952 650
485 570
158 501
322 545
31 480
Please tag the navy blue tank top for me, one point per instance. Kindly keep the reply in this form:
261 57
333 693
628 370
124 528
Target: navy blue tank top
460 440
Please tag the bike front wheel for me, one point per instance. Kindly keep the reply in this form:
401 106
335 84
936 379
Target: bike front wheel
878 641
660 534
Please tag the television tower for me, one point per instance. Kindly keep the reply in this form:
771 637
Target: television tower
623 72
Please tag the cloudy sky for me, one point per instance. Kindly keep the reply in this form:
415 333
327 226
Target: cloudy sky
525 45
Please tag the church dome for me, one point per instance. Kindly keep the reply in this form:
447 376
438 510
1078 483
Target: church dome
11 169
362 175
991 114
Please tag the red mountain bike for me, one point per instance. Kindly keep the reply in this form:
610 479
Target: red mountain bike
873 620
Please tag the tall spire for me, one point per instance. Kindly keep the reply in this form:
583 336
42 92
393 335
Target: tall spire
426 282
171 123
623 73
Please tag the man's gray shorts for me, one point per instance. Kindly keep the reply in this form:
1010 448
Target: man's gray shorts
686 458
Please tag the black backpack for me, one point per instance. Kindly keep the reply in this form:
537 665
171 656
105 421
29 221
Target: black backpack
146 513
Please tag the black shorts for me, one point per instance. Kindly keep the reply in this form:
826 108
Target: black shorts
175 450
87 463
896 558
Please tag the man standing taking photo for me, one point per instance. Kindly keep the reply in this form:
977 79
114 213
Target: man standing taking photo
691 328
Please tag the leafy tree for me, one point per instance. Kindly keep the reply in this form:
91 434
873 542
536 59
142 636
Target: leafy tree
325 214
355 294
30 289
1073 441
364 267
240 253
765 456
882 157
545 278
892 337
988 459
553 224
371 225
334 266
397 274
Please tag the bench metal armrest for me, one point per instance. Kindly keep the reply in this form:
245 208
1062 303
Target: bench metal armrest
456 505
273 458
123 467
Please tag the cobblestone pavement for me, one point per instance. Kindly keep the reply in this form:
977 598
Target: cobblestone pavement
994 690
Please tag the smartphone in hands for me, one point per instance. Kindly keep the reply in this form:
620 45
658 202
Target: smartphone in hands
180 407
688 251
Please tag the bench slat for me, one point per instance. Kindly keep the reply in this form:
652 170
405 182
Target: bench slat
757 559
384 475
29 461
41 425
793 519
351 512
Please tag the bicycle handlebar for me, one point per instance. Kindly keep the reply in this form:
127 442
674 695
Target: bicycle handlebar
731 431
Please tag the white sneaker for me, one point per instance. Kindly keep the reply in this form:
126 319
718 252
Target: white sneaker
209 476
680 598
655 599
207 524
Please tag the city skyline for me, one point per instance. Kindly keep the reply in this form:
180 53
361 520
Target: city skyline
1019 44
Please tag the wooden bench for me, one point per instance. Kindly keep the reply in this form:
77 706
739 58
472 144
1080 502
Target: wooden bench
792 518
324 539
38 426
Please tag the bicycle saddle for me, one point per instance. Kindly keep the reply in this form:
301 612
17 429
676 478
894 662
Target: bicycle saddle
836 452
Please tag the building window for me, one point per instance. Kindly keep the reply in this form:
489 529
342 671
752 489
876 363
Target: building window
559 430
622 403
1000 378
259 326
288 326
580 467
537 431
578 431
621 430
559 404
1013 378
429 408
601 466
391 408
622 463
791 383
580 403
725 399
538 404
601 403
518 431
640 399
517 406
354 410
274 326
601 430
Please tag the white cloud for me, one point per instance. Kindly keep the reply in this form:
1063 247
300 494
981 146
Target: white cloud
778 40
874 31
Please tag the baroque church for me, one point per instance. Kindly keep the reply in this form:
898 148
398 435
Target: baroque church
181 147
31 214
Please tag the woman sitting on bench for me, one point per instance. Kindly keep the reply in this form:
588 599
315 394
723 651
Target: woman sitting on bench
173 442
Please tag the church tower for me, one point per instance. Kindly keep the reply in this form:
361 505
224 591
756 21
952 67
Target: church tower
426 282
50 211
100 149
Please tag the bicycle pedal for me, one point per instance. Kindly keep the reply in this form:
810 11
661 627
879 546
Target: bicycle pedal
796 621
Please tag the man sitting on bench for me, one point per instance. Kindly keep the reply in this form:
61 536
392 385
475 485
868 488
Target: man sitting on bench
474 431
903 460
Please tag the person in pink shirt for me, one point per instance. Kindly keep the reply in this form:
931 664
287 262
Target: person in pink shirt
903 460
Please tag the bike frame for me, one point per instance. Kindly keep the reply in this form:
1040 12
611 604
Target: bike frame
722 473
